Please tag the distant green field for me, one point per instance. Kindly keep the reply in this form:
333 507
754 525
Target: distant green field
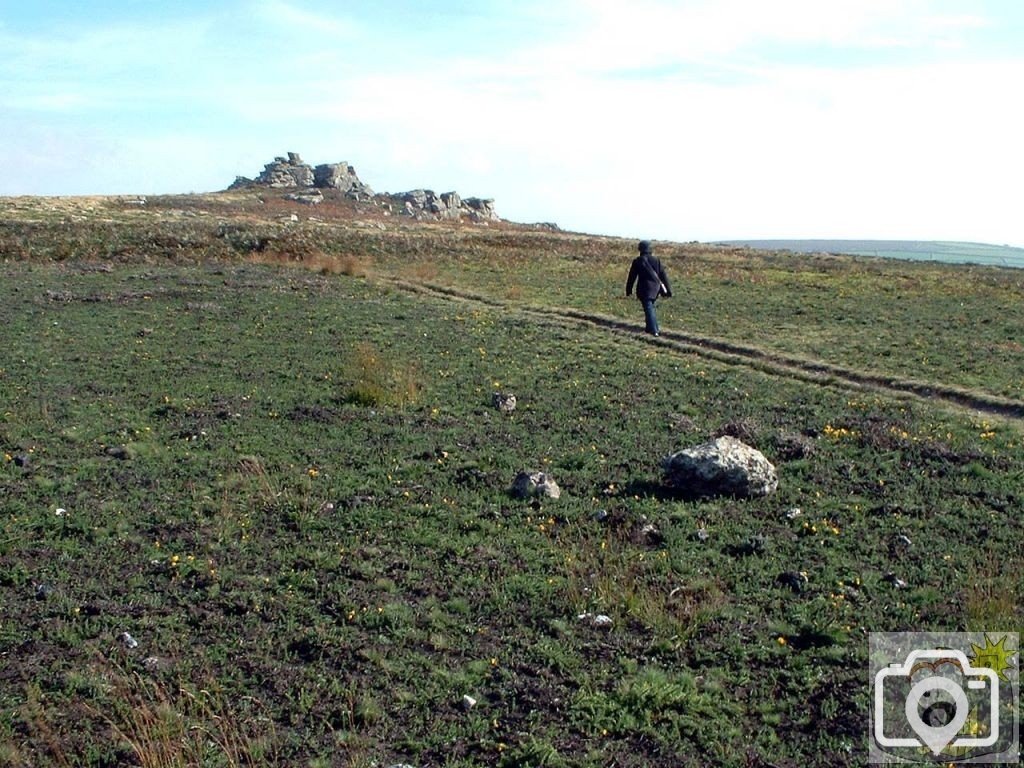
920 250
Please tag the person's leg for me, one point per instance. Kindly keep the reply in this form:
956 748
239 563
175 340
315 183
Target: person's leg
650 317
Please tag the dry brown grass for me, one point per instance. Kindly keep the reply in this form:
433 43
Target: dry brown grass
991 599
181 727
187 727
316 261
419 271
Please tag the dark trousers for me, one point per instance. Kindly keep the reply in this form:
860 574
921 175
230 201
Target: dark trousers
650 316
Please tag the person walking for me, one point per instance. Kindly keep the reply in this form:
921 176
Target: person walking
651 282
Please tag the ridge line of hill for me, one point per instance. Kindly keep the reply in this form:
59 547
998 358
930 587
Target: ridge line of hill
766 361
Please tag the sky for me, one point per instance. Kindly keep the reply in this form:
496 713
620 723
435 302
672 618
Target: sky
663 119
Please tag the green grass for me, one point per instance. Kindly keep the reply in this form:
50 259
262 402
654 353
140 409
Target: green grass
291 488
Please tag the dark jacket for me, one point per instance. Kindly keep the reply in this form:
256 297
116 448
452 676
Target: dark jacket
649 275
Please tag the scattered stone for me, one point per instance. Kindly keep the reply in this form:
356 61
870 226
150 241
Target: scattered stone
43 591
60 511
118 452
504 401
601 516
795 580
897 583
598 620
651 535
306 198
129 641
793 513
701 535
723 467
468 702
900 544
535 484
151 663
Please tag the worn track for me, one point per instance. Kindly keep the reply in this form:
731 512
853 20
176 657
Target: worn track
767 361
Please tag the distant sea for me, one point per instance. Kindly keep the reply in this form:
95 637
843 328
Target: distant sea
920 250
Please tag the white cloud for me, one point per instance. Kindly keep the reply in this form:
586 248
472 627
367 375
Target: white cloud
279 12
613 35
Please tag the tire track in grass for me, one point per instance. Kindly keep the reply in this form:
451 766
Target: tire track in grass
749 356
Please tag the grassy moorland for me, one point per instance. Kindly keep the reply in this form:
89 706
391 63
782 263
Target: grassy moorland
266 451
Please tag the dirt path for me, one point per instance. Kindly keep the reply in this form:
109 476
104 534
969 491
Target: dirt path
757 358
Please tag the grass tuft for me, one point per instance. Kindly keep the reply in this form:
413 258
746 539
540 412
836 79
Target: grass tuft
186 727
380 381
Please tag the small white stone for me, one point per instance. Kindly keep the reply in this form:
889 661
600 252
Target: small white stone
129 641
599 620
468 702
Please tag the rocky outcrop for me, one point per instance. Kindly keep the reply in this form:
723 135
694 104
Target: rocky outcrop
480 209
286 172
292 173
722 467
425 203
341 176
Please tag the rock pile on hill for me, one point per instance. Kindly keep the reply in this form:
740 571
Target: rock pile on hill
292 173
421 203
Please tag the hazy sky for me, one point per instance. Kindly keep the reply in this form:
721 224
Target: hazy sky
685 120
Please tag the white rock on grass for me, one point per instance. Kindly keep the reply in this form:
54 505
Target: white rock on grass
504 401
722 467
532 484
598 620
